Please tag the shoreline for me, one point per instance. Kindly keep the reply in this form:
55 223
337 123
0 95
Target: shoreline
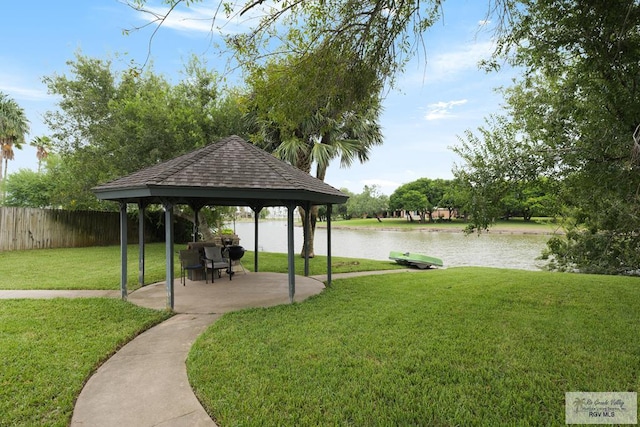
532 229
492 230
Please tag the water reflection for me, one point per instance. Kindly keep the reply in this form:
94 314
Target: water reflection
455 249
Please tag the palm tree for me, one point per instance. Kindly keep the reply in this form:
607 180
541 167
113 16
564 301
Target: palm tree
13 127
321 139
314 109
43 145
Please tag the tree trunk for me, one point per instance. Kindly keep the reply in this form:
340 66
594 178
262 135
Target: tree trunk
314 219
2 193
203 224
204 228
2 144
304 164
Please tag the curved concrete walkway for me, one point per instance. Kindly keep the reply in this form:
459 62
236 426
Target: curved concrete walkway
145 383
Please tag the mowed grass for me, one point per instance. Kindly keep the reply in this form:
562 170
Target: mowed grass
49 349
99 267
96 267
464 346
277 263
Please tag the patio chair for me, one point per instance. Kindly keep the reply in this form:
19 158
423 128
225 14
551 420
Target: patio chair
214 260
190 261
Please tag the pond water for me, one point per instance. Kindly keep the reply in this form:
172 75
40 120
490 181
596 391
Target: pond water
454 248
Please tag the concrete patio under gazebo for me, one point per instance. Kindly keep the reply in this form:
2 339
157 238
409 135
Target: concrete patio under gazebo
250 290
231 172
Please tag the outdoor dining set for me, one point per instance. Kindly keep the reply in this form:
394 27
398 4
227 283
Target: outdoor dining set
201 257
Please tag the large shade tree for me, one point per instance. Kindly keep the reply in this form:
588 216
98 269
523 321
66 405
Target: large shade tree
113 122
312 110
503 171
370 203
381 33
407 197
577 103
409 201
122 121
28 189
13 128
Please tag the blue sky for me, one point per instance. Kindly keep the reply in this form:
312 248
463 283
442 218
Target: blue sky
433 104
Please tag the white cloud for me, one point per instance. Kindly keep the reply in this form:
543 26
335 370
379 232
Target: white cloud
449 65
442 109
21 84
450 62
200 19
25 93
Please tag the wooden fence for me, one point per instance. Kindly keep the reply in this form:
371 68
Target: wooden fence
27 228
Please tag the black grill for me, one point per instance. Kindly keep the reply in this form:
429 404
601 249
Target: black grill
235 252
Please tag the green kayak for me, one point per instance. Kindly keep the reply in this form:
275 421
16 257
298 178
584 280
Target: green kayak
416 260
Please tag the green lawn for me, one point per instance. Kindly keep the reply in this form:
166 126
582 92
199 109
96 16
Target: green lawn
277 263
50 348
463 346
99 267
96 267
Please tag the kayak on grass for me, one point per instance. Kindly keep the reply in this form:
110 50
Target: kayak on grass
415 260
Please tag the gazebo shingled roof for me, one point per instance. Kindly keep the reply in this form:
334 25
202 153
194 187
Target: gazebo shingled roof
230 172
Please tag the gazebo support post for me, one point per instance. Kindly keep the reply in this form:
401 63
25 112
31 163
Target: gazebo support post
329 208
123 250
256 215
141 208
168 227
291 249
307 236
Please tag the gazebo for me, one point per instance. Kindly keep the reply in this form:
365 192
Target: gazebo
230 172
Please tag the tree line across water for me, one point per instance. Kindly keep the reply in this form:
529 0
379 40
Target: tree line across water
429 200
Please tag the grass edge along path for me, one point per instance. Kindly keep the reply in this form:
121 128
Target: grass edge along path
50 348
464 346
